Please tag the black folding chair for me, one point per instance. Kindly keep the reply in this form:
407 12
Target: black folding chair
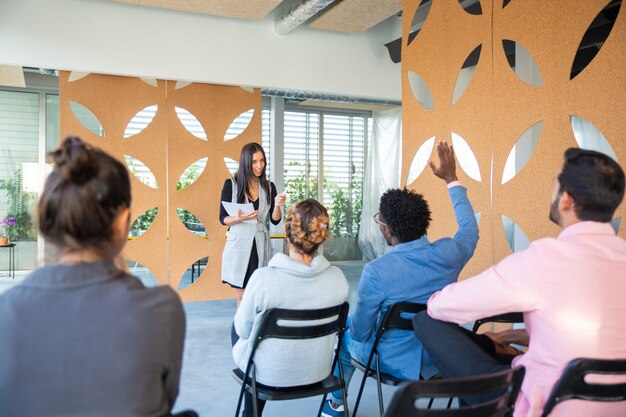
500 318
501 389
281 323
572 384
396 317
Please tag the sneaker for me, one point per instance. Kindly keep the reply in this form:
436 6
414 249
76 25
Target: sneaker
329 411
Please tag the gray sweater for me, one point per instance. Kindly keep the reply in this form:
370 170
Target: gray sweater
89 340
286 283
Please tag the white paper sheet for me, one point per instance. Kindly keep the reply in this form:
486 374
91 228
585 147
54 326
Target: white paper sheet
231 209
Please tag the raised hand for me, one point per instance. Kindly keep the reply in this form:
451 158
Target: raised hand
447 165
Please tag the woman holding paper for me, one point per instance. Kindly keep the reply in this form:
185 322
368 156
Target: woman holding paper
247 242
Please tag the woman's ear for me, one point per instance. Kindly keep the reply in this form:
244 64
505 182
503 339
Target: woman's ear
121 225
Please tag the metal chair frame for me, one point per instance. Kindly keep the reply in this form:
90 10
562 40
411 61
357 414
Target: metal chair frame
392 320
503 386
572 384
270 328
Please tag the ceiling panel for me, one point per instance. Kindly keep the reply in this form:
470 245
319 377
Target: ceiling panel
252 10
353 16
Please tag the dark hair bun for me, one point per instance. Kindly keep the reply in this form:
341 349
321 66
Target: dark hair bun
74 160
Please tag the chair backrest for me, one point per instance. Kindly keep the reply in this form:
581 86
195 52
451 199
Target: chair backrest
500 318
280 323
572 384
396 316
499 388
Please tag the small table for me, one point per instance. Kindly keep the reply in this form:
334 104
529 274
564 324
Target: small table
11 247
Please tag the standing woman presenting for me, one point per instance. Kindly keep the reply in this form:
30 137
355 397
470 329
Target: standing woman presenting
247 243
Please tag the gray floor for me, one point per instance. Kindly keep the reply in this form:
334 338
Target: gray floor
206 382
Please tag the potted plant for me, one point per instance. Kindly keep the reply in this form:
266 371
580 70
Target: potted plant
5 228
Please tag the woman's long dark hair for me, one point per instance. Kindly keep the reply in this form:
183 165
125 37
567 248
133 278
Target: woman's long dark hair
245 175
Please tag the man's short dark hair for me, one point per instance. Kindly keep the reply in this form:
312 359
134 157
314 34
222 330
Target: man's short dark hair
595 182
406 213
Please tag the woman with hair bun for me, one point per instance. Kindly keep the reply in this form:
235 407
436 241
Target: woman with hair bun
302 280
82 337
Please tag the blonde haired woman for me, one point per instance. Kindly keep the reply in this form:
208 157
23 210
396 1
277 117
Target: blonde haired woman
302 280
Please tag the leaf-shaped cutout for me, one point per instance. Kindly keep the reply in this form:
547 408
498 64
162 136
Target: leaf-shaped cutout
615 224
142 223
589 137
191 123
471 6
420 90
421 13
141 120
144 274
76 75
87 118
141 171
191 174
466 73
514 235
465 156
231 165
522 63
420 160
477 215
505 3
521 152
192 273
181 84
191 222
150 81
595 36
238 125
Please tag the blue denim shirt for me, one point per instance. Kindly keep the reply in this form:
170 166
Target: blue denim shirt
412 271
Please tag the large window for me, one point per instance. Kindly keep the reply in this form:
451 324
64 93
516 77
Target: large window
21 146
324 154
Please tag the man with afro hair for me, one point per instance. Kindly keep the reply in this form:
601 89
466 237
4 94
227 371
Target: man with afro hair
412 271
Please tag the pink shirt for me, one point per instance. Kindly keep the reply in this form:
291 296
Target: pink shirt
572 291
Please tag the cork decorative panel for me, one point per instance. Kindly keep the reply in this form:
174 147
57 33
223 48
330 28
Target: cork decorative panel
167 149
525 92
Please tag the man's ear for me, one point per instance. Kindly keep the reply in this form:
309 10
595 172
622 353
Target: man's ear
566 202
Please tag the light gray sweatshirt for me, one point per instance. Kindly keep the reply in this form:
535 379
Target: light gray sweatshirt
286 283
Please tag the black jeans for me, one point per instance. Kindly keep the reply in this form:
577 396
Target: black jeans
248 410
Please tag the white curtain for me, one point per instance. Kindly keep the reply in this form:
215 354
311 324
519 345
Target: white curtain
382 172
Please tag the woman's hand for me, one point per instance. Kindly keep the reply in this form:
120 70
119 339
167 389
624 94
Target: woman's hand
246 216
280 199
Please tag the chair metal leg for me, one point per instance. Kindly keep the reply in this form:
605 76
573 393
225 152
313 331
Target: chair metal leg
243 388
358 396
381 407
254 397
319 412
344 390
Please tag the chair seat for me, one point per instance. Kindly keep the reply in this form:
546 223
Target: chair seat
385 378
265 392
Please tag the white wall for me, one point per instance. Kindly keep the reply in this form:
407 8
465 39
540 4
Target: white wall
109 37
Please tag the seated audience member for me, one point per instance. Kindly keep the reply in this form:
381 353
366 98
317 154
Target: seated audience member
82 337
571 290
303 280
411 271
